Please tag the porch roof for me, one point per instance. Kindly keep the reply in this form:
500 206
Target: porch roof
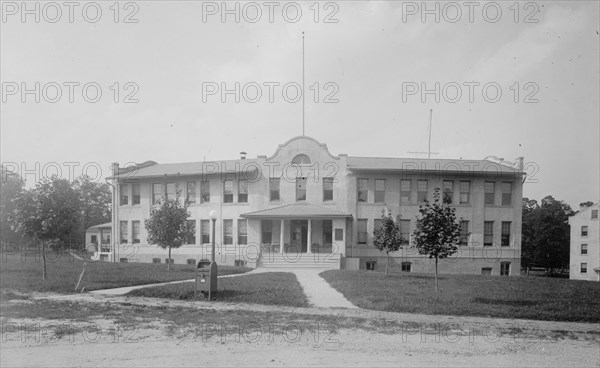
296 210
107 225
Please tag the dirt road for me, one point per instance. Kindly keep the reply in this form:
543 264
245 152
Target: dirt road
133 332
349 348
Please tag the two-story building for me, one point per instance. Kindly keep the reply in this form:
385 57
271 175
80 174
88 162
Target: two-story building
303 206
584 260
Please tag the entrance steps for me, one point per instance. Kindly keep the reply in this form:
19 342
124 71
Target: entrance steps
326 261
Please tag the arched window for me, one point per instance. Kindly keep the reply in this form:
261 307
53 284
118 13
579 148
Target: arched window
301 159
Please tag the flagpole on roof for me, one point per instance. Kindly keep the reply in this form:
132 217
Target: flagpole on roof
303 91
430 118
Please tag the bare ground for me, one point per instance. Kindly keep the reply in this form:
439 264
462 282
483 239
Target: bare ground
207 334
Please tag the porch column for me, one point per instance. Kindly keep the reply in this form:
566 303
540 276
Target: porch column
281 241
309 236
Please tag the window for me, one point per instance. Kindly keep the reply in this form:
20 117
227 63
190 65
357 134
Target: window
377 224
594 214
421 190
135 190
584 248
300 189
205 192
123 231
94 239
228 191
505 239
171 191
464 233
124 191
123 260
362 231
242 231
155 260
406 266
243 191
339 234
301 160
327 232
379 190
506 194
327 189
465 192
227 231
405 231
191 235
267 231
157 193
171 261
583 268
584 231
488 233
504 268
191 192
191 262
488 188
405 191
448 190
274 189
205 231
135 231
363 190
486 271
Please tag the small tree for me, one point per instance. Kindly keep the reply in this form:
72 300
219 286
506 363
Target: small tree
437 233
167 226
48 212
387 237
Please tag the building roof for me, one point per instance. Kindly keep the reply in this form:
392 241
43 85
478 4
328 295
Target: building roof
434 165
189 168
296 210
103 226
584 210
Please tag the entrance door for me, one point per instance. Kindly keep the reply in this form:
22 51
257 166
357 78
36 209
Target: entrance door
299 236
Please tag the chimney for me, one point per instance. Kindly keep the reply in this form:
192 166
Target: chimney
520 160
243 155
115 169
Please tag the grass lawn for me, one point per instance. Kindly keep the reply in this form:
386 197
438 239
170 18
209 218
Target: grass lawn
63 272
471 295
273 288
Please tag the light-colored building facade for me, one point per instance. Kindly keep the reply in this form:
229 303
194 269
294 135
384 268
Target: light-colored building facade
305 204
584 260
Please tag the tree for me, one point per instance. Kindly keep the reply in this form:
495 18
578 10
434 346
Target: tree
387 237
167 226
586 204
11 187
546 234
47 212
95 203
437 233
529 216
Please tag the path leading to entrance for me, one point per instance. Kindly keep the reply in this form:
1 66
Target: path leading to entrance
318 291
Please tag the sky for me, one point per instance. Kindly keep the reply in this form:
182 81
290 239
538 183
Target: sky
149 80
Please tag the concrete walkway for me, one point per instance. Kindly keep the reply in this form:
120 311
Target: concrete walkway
126 289
318 291
429 321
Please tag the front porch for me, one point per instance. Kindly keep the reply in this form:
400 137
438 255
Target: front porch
287 233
